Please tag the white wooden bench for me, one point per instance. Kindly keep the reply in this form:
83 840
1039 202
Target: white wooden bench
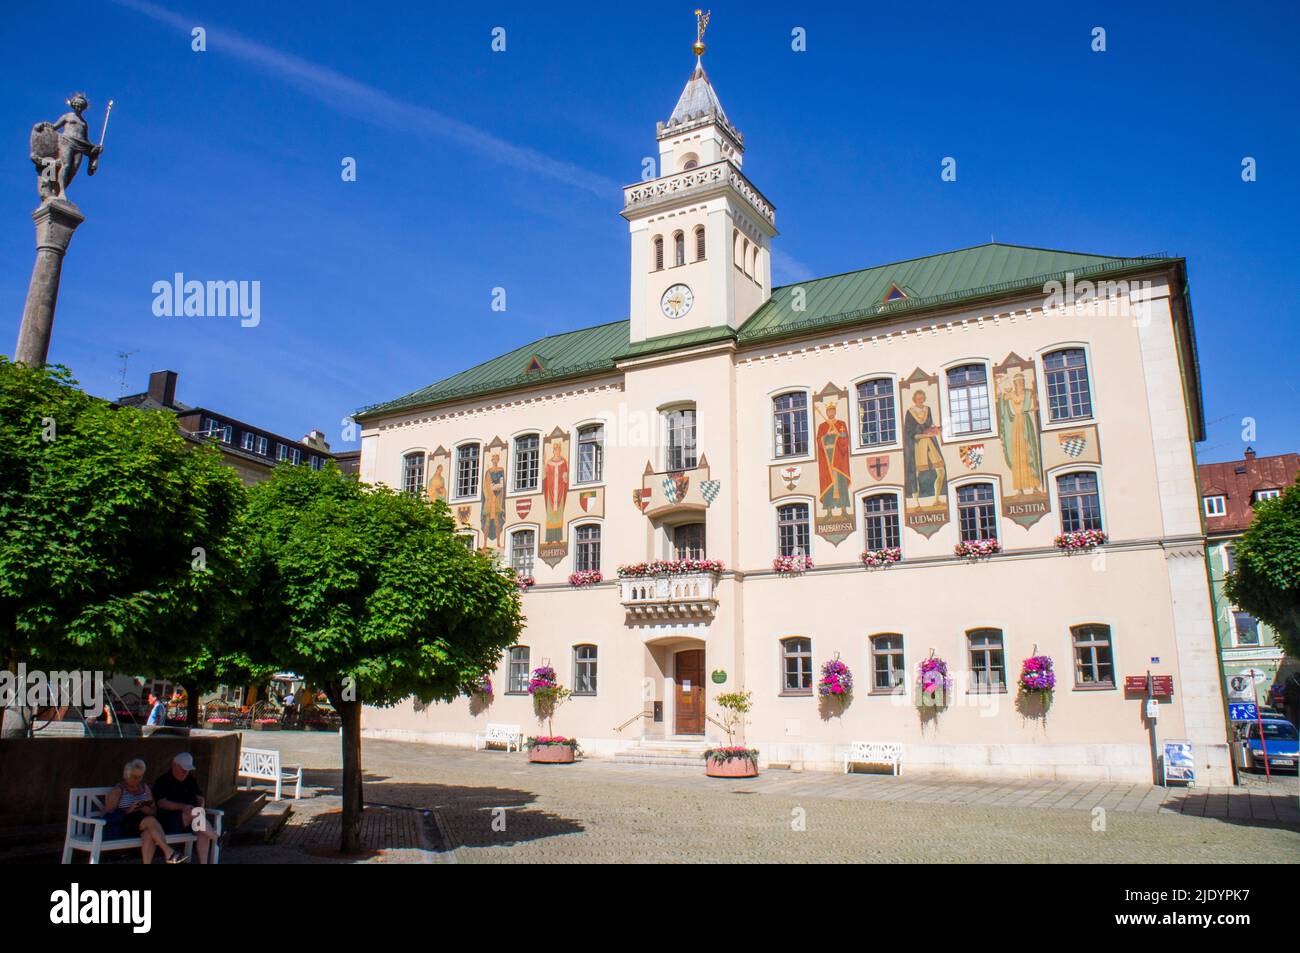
875 752
263 764
86 828
508 735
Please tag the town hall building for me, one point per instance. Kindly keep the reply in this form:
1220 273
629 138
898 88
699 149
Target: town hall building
976 458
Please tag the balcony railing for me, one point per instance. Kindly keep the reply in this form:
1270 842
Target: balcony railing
664 597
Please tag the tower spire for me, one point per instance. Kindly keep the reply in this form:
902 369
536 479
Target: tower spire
701 24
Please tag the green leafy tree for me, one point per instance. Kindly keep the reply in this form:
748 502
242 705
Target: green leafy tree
372 596
1266 580
115 550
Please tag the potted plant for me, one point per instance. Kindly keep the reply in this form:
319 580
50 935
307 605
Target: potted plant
933 683
265 724
548 695
1080 540
1037 678
732 760
792 565
481 688
525 582
836 683
585 577
877 558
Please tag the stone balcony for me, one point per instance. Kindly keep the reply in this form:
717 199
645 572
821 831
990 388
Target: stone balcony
686 596
699 182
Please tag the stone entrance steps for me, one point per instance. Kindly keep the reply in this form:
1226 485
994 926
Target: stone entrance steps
664 751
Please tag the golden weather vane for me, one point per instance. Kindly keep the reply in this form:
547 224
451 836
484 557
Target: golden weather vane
701 24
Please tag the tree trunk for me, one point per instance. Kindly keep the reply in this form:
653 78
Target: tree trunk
350 713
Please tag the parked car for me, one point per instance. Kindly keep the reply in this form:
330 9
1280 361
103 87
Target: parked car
1279 738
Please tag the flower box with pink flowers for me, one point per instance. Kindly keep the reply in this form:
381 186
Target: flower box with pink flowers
585 577
1080 540
977 548
792 565
877 558
670 567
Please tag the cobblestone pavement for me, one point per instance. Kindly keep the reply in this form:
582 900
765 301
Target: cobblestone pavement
430 803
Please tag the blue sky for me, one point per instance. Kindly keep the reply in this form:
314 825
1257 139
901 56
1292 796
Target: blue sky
478 169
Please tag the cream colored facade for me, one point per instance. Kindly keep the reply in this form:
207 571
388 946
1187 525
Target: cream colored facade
1147 584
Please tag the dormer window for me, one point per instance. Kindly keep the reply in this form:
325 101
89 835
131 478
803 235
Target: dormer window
895 294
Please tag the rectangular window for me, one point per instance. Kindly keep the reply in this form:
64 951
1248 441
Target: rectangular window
688 541
587 557
1270 494
227 434
1093 664
887 672
1080 504
796 660
523 551
1230 558
528 458
281 452
976 513
246 441
591 454
316 463
584 670
968 399
792 530
262 445
519 674
877 424
1215 506
1247 628
467 470
790 424
988 670
296 456
880 520
1068 395
413 473
681 439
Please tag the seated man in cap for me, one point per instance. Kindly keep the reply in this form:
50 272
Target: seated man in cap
179 800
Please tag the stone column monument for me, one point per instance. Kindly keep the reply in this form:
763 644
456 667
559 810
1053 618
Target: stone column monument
57 151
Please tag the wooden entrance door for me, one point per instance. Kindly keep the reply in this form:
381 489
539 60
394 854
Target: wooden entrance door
688 718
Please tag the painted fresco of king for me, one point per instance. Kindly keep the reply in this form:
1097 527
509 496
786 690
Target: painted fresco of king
923 464
1018 422
833 463
493 518
555 488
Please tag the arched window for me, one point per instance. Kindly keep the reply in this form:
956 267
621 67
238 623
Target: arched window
679 249
796 666
699 243
528 458
413 473
745 256
584 670
659 253
1069 396
976 513
987 665
792 537
790 424
1079 500
586 557
880 521
887 672
680 425
519 674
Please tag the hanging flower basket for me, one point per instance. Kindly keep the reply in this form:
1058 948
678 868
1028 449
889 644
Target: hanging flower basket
876 558
525 582
1037 678
731 761
977 548
792 565
836 681
1080 540
482 688
552 749
933 684
670 567
585 577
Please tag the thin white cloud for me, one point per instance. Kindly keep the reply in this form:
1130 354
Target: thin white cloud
373 105
786 269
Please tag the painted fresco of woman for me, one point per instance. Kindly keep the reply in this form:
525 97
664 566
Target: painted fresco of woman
493 518
922 462
1018 422
438 484
555 489
833 463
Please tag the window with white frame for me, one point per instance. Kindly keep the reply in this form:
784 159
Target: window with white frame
587 551
528 461
523 551
227 433
987 664
246 441
1215 505
519 673
467 459
792 533
681 438
1094 664
1246 627
968 399
413 473
317 462
880 521
1069 396
1079 500
790 424
591 453
887 672
1271 493
281 452
877 419
584 670
976 513
262 445
679 249
296 456
796 666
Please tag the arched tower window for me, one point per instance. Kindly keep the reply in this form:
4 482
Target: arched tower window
659 253
679 249
699 243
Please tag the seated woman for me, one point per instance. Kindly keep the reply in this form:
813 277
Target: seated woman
129 811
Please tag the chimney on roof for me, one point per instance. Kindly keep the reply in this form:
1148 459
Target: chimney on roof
162 387
1250 453
316 440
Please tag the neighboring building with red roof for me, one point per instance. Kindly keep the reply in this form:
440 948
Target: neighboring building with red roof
1248 650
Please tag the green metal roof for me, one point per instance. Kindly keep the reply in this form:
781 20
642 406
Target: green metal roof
853 298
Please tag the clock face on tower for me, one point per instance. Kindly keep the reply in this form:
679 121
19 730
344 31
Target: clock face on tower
676 301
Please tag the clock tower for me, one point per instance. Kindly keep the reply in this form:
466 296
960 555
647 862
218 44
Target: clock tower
701 233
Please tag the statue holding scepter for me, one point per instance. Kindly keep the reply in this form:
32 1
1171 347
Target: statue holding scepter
57 149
